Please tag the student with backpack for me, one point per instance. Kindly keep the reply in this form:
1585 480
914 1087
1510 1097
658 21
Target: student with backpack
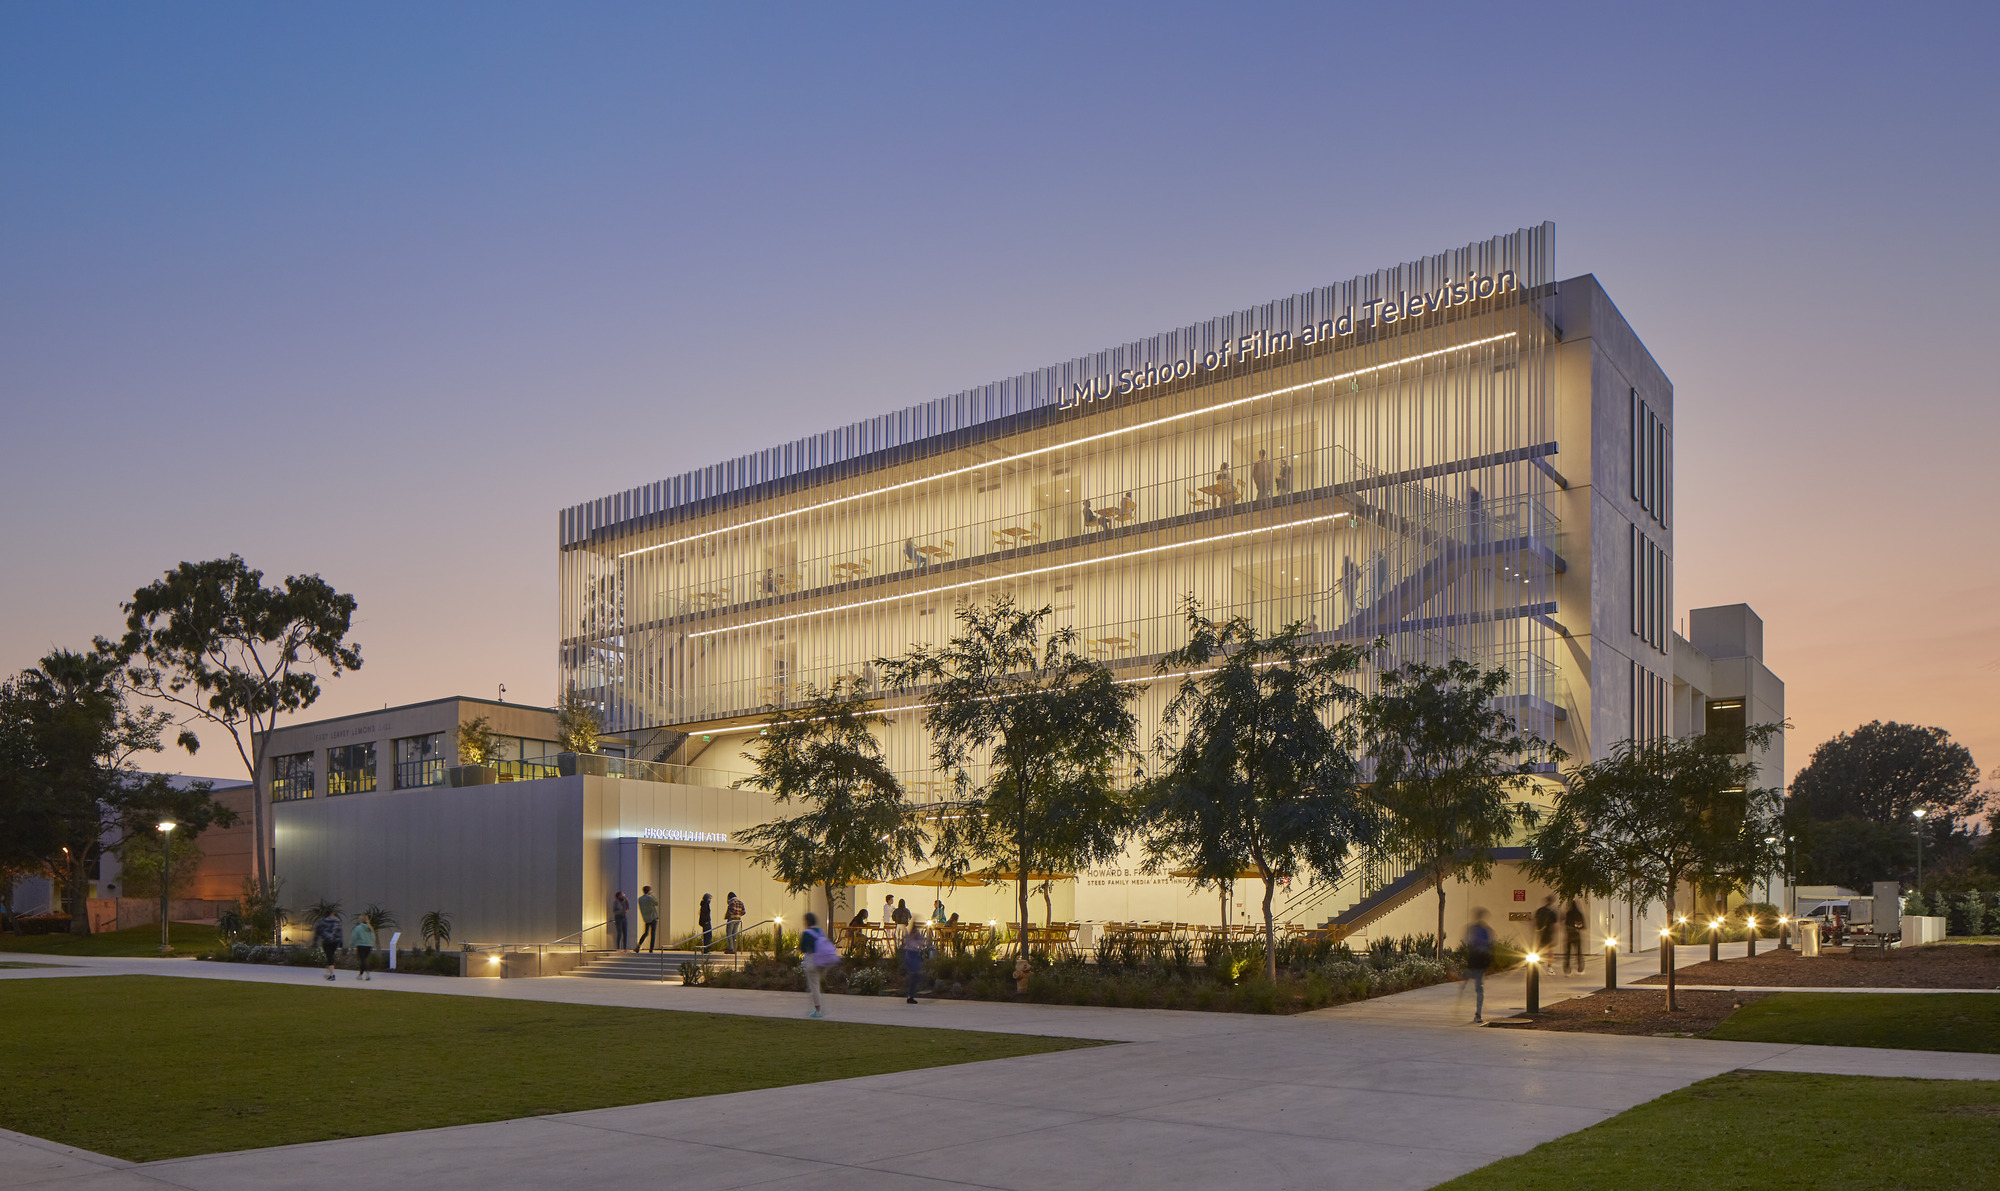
327 935
816 954
1478 958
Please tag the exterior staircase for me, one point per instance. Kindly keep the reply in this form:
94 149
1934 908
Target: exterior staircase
638 965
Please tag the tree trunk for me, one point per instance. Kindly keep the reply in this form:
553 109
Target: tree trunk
1270 929
77 894
1440 936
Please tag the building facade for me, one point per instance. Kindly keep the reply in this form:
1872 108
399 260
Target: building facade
1459 457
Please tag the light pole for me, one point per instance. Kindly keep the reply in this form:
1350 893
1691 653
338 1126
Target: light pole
1918 815
166 878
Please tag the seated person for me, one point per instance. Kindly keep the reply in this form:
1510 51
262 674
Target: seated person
1094 520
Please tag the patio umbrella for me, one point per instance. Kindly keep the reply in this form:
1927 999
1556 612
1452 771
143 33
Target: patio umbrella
935 877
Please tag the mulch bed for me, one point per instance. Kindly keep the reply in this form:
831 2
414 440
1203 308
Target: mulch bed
1635 1011
1947 965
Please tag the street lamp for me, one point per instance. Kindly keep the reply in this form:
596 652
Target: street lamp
166 828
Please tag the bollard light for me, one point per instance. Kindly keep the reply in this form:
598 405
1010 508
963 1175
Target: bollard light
1611 963
1534 983
1784 933
1666 949
1750 921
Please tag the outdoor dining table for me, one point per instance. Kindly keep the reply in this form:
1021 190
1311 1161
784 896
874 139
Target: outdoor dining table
1222 492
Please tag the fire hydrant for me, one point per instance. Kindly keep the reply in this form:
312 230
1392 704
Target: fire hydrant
1021 970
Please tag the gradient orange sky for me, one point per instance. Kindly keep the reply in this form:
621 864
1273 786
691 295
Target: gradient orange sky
373 293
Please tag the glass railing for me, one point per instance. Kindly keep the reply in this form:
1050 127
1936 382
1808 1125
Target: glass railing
1404 507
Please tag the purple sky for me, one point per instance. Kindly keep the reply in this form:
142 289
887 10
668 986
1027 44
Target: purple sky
373 293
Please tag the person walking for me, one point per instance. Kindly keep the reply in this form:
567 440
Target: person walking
363 938
816 954
706 920
1260 474
732 921
1545 927
649 918
326 935
1573 924
913 948
621 921
1478 958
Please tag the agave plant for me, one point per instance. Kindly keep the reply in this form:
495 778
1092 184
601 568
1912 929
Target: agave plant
436 929
323 908
378 918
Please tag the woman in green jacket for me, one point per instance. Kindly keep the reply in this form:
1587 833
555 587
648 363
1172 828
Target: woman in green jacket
362 939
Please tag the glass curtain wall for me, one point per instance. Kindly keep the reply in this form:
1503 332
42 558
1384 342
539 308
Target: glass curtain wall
1365 460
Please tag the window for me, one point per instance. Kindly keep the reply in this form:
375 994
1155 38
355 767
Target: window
419 761
1651 588
1649 460
350 769
1651 694
291 777
1727 719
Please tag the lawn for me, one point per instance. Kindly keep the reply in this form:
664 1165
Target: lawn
1908 1021
150 1067
1758 1132
189 938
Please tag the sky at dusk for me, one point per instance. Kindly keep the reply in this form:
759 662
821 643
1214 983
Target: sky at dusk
373 290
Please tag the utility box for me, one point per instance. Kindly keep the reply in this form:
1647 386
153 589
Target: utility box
1888 904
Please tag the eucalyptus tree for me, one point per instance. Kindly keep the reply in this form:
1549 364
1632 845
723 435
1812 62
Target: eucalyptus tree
212 640
1031 732
1657 813
855 824
1449 766
1255 774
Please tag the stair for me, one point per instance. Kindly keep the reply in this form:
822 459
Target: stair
1397 894
637 965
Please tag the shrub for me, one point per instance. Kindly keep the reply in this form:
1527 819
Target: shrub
868 981
436 929
1965 914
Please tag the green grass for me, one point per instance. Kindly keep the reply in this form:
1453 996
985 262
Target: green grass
189 938
1907 1021
1765 1131
150 1067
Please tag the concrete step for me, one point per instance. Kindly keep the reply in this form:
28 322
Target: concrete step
645 965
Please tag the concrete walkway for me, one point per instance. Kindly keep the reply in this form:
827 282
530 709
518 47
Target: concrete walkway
1394 1093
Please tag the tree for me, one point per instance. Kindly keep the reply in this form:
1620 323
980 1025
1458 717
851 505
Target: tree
1883 771
1448 764
1657 813
72 787
855 826
1031 731
212 640
1259 776
478 744
577 723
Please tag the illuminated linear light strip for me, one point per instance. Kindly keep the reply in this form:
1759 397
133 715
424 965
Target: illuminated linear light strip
1206 409
713 732
931 591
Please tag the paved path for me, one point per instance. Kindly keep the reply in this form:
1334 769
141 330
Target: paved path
1395 1093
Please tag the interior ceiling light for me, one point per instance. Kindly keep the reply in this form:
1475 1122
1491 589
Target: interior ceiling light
1193 413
